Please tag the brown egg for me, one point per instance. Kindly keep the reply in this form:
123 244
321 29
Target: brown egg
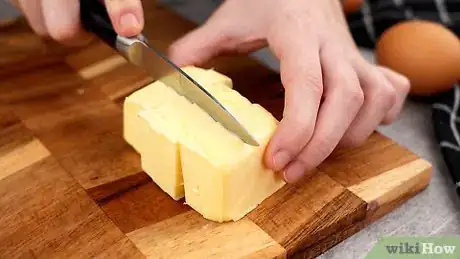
426 52
351 6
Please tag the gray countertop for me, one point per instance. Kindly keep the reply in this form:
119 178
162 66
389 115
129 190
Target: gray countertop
435 211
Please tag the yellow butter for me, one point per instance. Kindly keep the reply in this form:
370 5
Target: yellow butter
225 179
157 146
157 143
187 153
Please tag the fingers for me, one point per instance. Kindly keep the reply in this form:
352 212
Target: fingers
343 98
59 20
207 42
402 87
127 16
62 20
32 10
302 77
227 31
198 46
380 97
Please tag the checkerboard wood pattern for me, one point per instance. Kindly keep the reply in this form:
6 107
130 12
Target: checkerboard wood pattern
70 187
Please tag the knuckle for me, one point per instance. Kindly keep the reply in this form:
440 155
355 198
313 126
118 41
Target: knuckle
388 93
304 130
322 149
392 95
311 76
228 39
313 82
355 95
388 120
220 34
305 78
298 133
315 85
405 84
353 140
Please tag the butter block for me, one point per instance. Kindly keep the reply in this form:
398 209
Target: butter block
225 178
149 97
157 144
158 148
156 94
189 154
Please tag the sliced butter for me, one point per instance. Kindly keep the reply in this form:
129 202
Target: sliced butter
187 153
157 146
160 142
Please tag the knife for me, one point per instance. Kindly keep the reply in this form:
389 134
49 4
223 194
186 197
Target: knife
95 19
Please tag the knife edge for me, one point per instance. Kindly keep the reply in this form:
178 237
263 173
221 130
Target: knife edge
140 53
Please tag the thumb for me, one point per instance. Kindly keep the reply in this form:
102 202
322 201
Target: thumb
198 46
127 16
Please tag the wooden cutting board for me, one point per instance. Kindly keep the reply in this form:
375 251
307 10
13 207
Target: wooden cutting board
71 187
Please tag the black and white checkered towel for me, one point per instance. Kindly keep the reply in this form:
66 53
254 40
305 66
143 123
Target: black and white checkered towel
446 119
375 16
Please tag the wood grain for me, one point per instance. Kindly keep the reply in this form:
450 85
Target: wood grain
15 141
300 215
45 213
383 192
21 50
388 182
142 206
86 139
190 236
80 189
14 160
49 216
378 155
107 191
92 54
98 62
43 89
13 134
330 241
133 79
101 67
123 249
76 122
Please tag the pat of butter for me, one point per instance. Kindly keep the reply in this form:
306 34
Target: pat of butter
189 154
157 142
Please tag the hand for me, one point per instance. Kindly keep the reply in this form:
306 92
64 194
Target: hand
60 20
333 96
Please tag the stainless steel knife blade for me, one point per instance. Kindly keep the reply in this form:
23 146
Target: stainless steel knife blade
138 51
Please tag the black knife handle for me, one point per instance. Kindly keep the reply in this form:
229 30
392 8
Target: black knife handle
95 18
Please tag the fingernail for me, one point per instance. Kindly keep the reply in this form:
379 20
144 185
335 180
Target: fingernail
281 159
294 172
128 21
